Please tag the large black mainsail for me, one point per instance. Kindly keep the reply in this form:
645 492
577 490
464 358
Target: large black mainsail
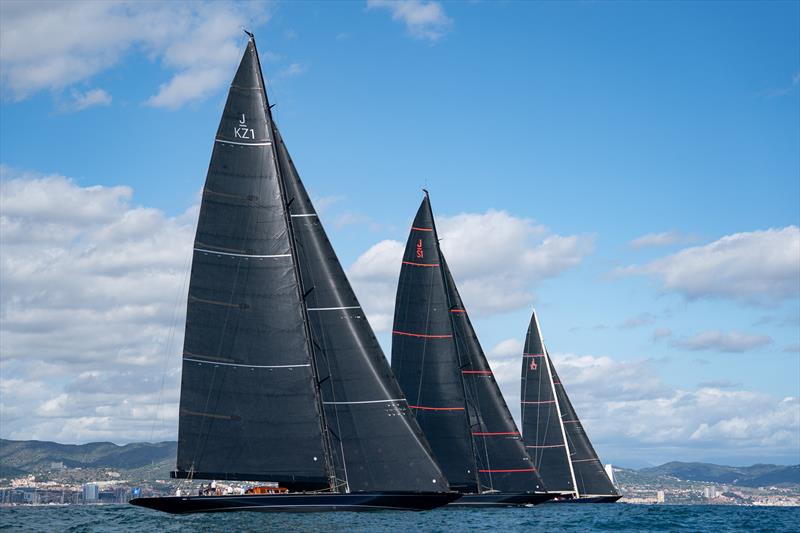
443 370
283 379
247 383
554 436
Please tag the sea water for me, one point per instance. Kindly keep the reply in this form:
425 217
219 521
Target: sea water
559 518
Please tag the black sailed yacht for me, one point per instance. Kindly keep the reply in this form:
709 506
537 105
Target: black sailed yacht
554 436
283 379
444 373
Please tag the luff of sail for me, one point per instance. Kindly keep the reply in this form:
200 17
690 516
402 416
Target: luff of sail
248 398
376 443
441 365
552 430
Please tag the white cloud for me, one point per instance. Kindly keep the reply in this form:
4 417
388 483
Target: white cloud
92 309
423 19
53 45
661 239
84 100
632 415
732 342
496 259
761 267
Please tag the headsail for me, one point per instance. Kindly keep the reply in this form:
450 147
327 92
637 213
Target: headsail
503 463
248 405
553 433
590 476
440 363
376 442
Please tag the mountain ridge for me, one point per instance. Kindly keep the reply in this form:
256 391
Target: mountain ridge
21 457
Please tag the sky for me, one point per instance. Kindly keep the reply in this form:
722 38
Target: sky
629 169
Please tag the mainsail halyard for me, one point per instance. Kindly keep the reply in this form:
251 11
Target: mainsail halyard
567 460
253 406
441 366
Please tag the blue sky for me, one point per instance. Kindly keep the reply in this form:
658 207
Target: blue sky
587 125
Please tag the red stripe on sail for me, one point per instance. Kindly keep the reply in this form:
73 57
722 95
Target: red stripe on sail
421 229
458 311
421 264
476 371
422 335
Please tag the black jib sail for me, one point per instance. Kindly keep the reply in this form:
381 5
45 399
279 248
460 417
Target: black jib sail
376 443
283 379
440 365
553 434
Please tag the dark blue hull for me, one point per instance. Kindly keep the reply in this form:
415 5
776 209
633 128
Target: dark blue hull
299 502
502 499
589 499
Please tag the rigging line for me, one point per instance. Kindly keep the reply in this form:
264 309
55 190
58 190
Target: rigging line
182 289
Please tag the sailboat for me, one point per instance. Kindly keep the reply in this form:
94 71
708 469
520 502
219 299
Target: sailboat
553 433
283 379
444 373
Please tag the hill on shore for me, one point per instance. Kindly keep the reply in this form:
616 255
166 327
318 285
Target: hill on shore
759 475
21 457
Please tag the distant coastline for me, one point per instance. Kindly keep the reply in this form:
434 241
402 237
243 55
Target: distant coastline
49 473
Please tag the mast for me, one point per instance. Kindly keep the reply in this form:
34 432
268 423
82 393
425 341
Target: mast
329 467
558 407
